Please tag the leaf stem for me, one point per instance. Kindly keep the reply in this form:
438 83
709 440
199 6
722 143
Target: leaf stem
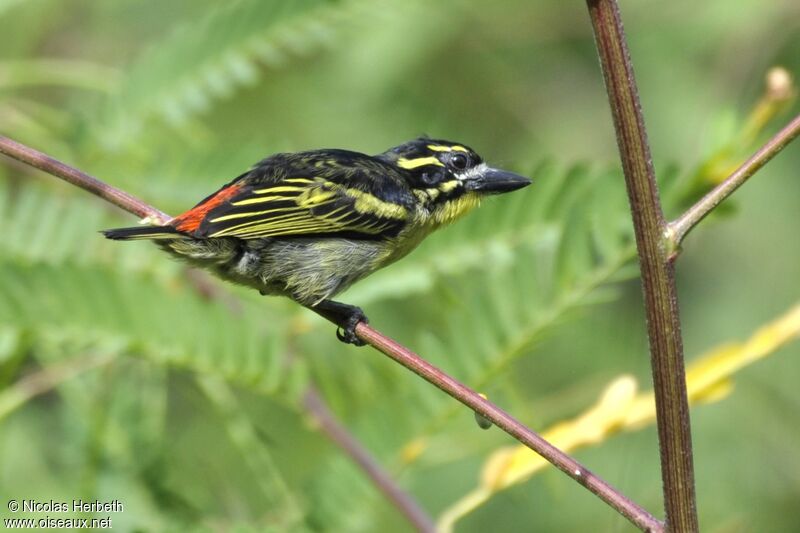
629 509
680 227
657 268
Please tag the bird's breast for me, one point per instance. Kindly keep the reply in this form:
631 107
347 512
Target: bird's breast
453 209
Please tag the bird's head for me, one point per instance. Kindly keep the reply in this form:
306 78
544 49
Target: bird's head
449 178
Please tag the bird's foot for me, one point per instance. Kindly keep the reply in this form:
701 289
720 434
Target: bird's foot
347 317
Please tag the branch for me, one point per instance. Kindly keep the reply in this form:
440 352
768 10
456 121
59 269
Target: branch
344 440
658 274
680 227
510 425
43 162
387 346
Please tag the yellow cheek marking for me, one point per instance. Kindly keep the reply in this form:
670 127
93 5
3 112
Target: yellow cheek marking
441 148
448 186
427 195
418 162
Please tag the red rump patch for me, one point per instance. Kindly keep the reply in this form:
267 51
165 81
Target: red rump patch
191 219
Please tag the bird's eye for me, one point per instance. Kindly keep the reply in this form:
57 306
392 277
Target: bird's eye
459 161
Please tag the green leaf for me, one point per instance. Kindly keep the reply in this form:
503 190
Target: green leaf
167 324
210 59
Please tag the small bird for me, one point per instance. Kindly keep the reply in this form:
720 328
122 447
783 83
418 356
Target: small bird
308 225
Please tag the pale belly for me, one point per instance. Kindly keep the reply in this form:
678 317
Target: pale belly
307 270
311 270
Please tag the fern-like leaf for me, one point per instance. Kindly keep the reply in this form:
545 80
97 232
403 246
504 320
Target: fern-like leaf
208 60
167 324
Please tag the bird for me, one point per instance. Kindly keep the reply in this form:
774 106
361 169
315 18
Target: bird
307 225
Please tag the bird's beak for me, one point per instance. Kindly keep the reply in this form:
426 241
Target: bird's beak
495 181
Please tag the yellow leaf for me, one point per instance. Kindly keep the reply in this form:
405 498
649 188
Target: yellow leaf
413 450
620 408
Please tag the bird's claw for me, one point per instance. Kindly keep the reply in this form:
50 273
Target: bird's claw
347 317
347 334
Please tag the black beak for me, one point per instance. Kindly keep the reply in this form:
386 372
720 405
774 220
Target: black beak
494 181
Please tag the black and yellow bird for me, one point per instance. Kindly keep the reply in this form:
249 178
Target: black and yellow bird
308 225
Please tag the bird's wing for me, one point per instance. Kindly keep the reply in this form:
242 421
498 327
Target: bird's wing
292 207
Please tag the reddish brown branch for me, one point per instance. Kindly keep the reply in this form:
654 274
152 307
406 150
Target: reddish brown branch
679 228
510 425
80 179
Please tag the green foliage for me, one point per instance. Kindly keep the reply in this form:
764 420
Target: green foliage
227 50
193 418
200 62
58 287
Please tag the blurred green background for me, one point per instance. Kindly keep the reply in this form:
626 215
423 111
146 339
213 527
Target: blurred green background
182 397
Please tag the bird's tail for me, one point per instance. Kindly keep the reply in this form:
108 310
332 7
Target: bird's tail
143 232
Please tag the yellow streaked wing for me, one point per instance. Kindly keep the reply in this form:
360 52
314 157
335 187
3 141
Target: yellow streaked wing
300 206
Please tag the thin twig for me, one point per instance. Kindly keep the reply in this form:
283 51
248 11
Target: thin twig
377 340
43 162
658 274
510 425
680 227
329 425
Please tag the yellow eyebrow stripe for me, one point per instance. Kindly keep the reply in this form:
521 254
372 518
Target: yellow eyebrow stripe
409 164
441 148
